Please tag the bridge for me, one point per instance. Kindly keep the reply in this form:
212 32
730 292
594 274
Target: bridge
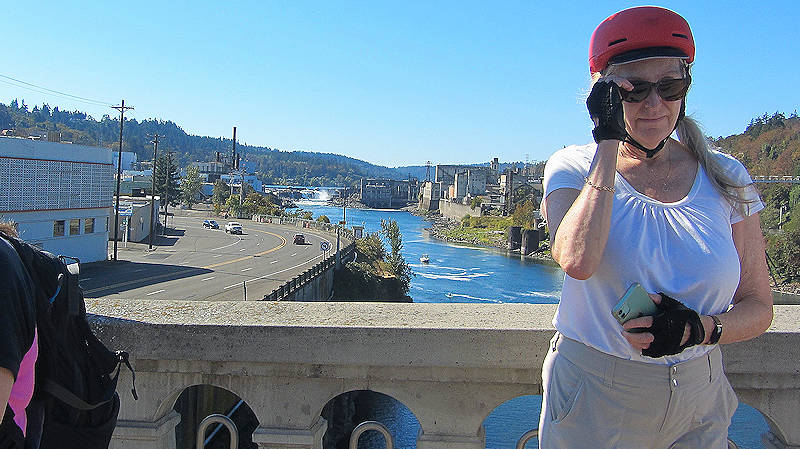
450 364
777 179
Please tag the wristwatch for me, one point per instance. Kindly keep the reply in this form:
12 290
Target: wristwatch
717 332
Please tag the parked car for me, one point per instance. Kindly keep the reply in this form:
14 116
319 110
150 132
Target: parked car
299 239
233 227
210 224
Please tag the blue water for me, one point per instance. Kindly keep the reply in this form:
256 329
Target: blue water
467 274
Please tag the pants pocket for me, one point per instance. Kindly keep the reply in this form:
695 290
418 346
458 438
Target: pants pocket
564 388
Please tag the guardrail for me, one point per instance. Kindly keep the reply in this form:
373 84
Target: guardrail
293 285
296 283
777 178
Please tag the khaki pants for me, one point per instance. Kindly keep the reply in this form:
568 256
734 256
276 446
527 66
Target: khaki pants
595 400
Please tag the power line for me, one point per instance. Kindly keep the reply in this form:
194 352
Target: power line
42 89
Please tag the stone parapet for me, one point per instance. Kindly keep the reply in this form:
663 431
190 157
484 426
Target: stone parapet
450 364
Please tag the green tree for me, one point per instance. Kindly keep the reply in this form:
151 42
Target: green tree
221 193
785 252
323 219
397 265
167 176
525 215
191 185
233 207
371 247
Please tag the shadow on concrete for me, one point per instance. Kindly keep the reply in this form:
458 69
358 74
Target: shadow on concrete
103 279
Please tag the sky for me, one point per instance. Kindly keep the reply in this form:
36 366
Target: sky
391 83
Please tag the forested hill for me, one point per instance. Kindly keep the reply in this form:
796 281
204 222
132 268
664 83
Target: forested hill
770 145
271 165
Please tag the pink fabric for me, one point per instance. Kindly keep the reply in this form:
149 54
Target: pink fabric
22 390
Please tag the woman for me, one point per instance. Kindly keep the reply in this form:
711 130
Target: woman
673 215
18 348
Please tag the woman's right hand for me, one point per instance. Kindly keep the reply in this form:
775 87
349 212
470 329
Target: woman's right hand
605 108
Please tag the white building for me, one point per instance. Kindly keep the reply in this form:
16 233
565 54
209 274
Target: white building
129 159
58 194
235 179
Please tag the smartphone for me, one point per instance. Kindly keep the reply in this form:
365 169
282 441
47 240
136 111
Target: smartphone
633 304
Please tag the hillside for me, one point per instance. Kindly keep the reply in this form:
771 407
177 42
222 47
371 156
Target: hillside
770 145
271 165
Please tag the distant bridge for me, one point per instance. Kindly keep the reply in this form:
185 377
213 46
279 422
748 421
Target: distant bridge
784 179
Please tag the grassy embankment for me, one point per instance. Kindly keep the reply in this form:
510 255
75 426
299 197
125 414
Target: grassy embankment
485 231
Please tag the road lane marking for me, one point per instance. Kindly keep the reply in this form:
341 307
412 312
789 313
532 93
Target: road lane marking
136 271
283 243
208 267
139 281
207 279
286 269
293 255
231 286
157 291
218 255
248 269
274 261
243 249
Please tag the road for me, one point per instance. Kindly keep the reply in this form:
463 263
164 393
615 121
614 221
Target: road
195 263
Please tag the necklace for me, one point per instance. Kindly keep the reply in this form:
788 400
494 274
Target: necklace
652 171
665 185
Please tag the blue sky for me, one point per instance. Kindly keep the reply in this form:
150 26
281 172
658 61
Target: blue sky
392 83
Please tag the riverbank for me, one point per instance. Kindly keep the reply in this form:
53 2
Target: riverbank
450 231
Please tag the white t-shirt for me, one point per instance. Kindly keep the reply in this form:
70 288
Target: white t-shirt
684 249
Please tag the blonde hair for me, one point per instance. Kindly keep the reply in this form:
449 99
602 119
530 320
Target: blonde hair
691 135
8 228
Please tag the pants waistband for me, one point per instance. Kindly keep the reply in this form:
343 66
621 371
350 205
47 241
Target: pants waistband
701 369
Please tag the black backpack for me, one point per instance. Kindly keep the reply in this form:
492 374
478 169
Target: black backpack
76 375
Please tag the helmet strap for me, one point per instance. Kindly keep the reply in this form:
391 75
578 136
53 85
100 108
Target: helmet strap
649 153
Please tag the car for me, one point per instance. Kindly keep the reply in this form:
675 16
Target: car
299 239
211 224
233 227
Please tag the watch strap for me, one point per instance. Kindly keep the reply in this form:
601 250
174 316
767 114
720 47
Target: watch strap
716 333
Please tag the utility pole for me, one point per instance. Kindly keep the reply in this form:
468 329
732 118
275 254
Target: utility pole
166 188
122 108
153 189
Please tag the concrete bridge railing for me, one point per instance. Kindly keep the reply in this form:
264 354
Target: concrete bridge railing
450 364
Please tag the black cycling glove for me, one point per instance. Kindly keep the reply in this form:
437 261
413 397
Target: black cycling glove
669 325
605 109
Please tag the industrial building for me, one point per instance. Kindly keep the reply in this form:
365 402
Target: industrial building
388 193
58 194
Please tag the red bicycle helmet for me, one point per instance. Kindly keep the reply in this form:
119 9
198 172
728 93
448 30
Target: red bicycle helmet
640 33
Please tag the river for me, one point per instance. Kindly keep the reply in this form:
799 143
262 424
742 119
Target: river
468 274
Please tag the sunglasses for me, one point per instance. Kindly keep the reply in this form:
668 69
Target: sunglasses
669 89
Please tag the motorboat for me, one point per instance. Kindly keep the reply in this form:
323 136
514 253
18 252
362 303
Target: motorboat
424 258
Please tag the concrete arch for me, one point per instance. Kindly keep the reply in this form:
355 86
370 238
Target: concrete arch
518 409
168 403
380 395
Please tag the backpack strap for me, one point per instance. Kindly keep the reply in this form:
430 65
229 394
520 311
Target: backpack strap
64 395
67 397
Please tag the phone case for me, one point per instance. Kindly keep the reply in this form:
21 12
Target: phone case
633 304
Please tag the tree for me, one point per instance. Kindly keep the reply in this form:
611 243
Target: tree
192 185
785 249
167 173
221 193
323 219
525 215
395 261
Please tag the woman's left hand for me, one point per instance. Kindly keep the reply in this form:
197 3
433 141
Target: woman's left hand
642 340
